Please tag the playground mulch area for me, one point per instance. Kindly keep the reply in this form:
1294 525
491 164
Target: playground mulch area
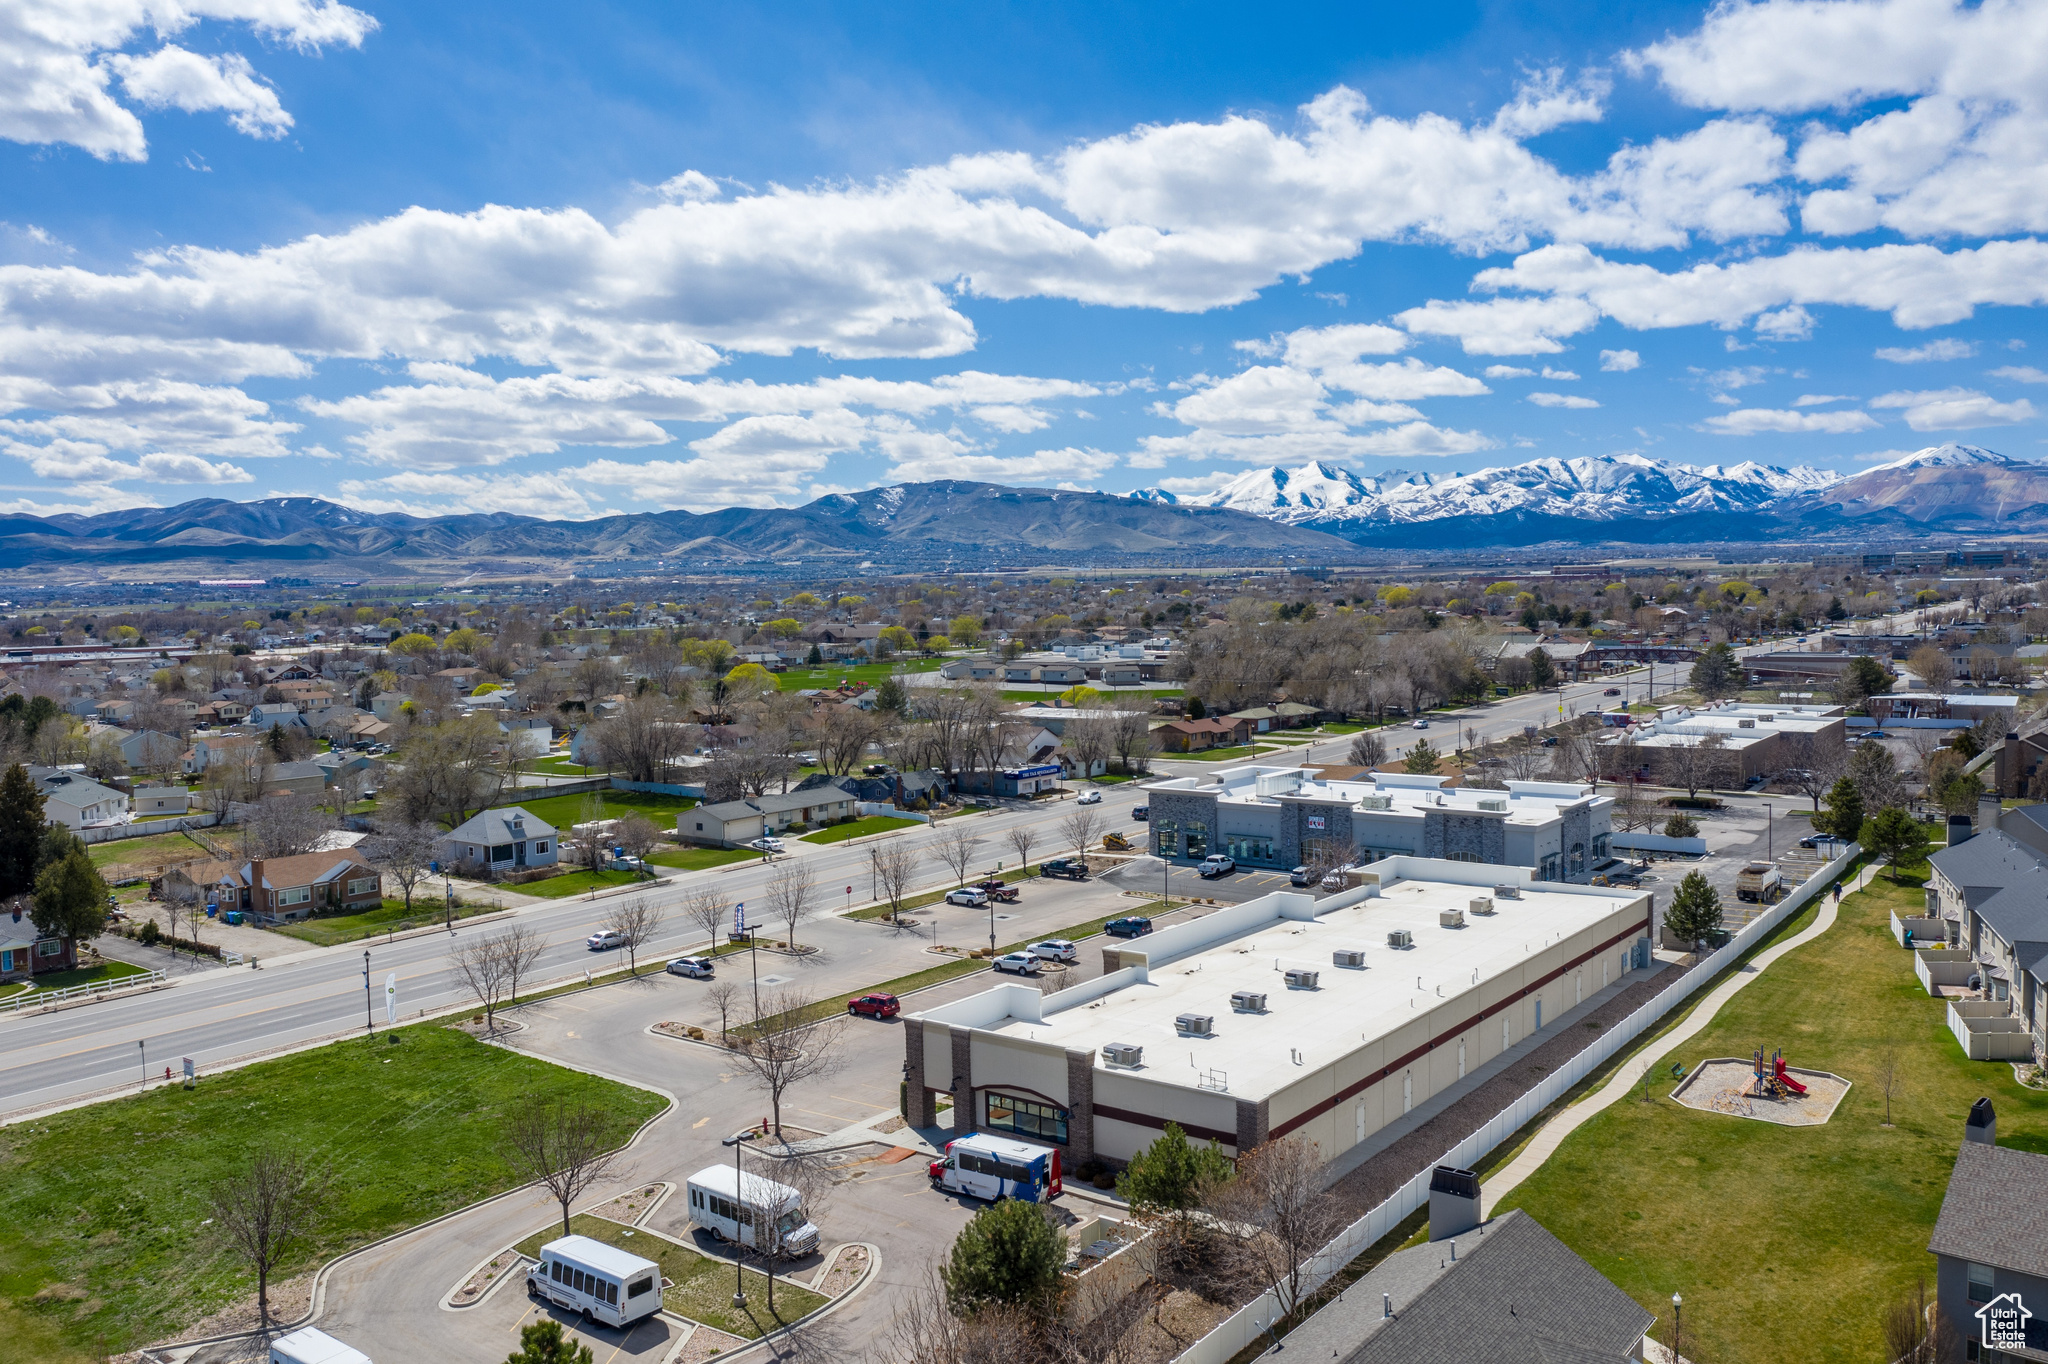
1377 1179
1725 1084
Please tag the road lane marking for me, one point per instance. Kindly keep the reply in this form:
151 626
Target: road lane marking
699 1123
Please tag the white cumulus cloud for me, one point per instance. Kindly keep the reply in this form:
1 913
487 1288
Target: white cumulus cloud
1952 409
1561 400
1751 421
1620 361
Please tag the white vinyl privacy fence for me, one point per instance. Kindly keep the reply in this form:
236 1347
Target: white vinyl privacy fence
1249 1322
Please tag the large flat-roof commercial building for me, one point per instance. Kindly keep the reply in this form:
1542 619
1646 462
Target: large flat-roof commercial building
1328 1017
1753 739
1274 816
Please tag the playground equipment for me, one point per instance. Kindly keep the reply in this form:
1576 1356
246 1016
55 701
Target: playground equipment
1771 1081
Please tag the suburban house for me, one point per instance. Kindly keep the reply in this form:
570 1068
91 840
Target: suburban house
971 670
901 789
1512 1291
282 887
1994 888
307 778
77 801
1990 1255
148 750
1286 715
501 840
23 954
162 800
204 753
17 955
1194 736
731 823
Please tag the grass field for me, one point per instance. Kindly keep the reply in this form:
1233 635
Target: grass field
1788 1242
702 1288
828 675
103 1248
577 882
699 859
390 917
1218 755
87 975
872 824
563 811
143 854
561 767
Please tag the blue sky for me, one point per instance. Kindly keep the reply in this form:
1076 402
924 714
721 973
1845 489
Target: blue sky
573 260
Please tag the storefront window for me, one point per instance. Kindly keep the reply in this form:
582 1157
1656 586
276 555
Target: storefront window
1548 872
1248 849
1165 838
1197 843
1007 1113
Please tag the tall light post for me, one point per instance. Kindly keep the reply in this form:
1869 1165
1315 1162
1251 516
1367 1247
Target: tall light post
739 1290
1677 1320
369 1026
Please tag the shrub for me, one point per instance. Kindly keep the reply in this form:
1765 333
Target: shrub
1681 826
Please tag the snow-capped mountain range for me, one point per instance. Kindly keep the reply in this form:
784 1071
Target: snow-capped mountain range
1634 497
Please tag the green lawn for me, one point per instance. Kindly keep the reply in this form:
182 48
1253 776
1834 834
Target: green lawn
828 675
698 859
563 811
872 824
560 767
1217 755
87 975
1788 1242
576 883
702 1288
932 897
103 1248
391 917
145 853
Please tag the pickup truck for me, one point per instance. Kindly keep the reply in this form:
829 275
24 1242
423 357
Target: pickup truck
997 889
1069 868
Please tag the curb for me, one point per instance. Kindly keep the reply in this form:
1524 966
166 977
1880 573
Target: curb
667 1188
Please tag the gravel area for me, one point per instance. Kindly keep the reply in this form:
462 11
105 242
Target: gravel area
1723 1085
705 1343
1378 1178
629 1207
845 1270
479 1283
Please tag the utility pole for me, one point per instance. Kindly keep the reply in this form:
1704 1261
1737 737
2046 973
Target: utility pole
739 1290
369 1026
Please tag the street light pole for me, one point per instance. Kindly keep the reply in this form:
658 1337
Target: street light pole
368 1025
739 1290
1677 1321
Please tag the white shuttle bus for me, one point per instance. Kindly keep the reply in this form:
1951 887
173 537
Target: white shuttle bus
602 1282
716 1204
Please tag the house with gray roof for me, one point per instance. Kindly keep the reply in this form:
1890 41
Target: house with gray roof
1990 1246
730 823
77 801
1994 888
501 840
1505 1290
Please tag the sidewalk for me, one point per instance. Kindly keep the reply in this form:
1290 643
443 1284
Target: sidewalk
1630 1075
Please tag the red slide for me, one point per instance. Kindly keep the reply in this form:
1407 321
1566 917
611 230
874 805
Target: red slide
1787 1080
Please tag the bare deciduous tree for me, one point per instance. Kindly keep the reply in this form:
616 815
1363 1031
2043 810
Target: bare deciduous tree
404 852
263 1211
1887 1071
1134 742
778 1050
636 920
562 1146
894 864
1813 766
1324 855
1917 1331
1697 764
956 847
521 948
722 995
1368 749
792 898
284 825
707 909
1088 739
1023 838
1279 1190
1080 828
490 967
925 1331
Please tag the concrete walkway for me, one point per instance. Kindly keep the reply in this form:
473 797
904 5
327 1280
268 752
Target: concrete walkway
1630 1075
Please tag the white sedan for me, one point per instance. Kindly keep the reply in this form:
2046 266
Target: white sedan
971 896
766 845
605 939
1090 798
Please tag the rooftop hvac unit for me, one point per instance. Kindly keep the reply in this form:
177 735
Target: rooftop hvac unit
1302 979
1375 802
1400 939
1451 918
1247 1001
1194 1025
1494 805
1481 904
1507 892
1123 1053
1348 956
1745 724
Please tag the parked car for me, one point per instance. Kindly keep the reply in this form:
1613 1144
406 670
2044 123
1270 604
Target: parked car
696 968
875 1006
628 864
1217 864
1054 949
605 939
1141 813
974 897
1421 724
1070 868
997 889
1612 691
1090 798
875 770
1301 876
766 844
1819 840
1136 926
1875 734
1016 963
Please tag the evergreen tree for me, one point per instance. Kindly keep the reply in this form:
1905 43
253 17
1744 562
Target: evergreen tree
1843 816
1865 678
1172 1174
1893 835
890 696
544 1343
1717 674
1695 910
1542 672
815 657
70 897
1196 710
1422 759
21 831
1010 1254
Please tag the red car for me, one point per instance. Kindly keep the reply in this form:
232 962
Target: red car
875 1006
998 889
